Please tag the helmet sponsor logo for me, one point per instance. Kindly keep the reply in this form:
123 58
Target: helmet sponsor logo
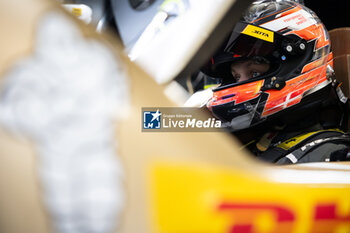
259 33
260 217
295 21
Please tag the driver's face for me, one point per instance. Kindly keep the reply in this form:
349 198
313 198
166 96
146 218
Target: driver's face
244 70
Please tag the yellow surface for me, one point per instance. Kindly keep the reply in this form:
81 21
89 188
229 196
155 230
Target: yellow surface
76 11
205 198
259 33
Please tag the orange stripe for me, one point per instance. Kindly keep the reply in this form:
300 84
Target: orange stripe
295 88
315 64
275 13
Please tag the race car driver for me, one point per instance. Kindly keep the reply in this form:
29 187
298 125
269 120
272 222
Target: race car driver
278 92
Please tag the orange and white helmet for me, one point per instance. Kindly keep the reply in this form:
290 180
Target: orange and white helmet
293 41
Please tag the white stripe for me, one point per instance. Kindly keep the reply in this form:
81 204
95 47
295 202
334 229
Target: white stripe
292 158
296 21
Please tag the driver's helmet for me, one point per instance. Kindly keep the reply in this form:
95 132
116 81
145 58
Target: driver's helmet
292 45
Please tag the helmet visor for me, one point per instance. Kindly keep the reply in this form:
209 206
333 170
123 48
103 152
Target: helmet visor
251 52
251 41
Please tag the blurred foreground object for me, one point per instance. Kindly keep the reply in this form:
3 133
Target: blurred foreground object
60 97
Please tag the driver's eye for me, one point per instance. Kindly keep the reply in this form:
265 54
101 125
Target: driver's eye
255 74
236 76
